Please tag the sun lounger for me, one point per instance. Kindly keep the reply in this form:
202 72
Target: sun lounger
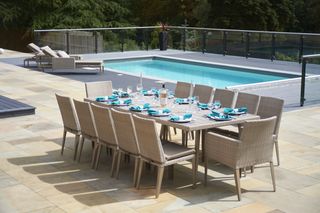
61 60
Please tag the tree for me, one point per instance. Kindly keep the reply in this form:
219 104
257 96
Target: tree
37 14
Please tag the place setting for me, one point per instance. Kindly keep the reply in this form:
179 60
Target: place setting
185 118
227 114
140 108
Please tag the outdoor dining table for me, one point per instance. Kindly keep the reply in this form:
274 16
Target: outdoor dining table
200 122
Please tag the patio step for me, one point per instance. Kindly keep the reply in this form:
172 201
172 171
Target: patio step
11 108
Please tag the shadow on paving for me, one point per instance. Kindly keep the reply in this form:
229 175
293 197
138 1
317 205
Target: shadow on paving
95 187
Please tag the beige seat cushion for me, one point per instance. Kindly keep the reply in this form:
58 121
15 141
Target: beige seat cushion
63 54
173 151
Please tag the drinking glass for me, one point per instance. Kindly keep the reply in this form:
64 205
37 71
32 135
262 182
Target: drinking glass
195 102
217 104
129 90
139 88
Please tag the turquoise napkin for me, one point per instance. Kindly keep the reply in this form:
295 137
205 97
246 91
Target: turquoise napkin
187 116
178 118
127 102
118 102
102 98
115 102
124 95
203 106
182 100
217 105
157 112
235 110
140 108
214 114
228 110
219 115
242 109
113 97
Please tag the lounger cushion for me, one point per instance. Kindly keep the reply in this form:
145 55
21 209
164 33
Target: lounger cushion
34 48
48 51
63 54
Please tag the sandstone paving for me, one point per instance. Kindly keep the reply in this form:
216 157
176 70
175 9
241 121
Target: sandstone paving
34 177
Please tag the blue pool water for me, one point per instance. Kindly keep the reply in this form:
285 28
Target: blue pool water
199 74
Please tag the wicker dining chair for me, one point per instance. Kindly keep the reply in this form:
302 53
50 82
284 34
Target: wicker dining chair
225 97
70 121
98 88
254 146
269 107
159 154
127 139
204 93
183 89
251 101
106 133
88 127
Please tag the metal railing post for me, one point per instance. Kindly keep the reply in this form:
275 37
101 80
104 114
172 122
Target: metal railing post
122 40
301 48
95 42
247 45
146 38
273 47
204 41
184 39
68 42
225 33
303 81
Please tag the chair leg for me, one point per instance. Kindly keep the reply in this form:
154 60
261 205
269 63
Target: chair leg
63 141
139 173
162 132
244 172
98 156
237 180
159 180
81 147
272 176
183 138
276 145
205 170
114 160
76 144
94 154
118 164
169 134
136 164
194 171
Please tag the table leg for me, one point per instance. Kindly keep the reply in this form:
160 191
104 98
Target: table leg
197 147
202 143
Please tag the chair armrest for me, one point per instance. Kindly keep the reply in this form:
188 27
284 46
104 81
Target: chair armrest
222 148
63 63
211 136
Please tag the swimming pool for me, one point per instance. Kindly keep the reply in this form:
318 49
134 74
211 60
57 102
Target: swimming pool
175 70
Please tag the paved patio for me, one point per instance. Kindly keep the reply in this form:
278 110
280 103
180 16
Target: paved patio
34 177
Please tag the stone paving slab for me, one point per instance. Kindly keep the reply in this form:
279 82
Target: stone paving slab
34 177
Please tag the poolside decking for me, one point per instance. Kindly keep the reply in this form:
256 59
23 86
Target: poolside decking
34 177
